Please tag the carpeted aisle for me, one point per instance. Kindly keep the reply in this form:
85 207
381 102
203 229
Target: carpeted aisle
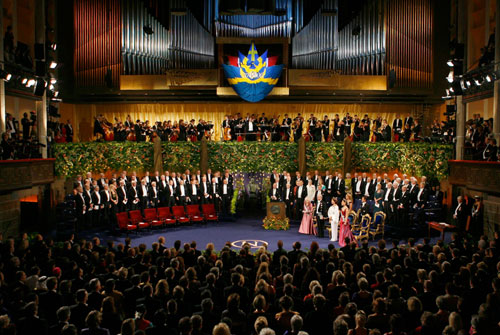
244 229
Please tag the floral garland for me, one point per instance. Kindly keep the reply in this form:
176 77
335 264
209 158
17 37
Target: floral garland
275 223
324 156
252 156
78 158
181 156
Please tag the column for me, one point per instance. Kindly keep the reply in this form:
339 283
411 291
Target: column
461 114
41 121
2 83
41 106
496 92
461 119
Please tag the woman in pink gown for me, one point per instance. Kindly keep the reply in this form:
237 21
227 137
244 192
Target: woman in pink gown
306 226
345 228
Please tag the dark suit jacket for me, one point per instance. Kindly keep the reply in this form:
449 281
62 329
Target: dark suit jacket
423 197
291 197
78 314
49 304
32 325
365 209
277 195
323 209
304 192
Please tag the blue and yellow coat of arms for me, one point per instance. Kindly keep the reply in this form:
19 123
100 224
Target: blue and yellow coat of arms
252 76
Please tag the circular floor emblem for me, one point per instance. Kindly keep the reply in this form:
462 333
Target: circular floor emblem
254 244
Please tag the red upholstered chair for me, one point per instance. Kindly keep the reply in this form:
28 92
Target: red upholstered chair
209 212
179 214
193 211
151 217
137 219
124 223
165 215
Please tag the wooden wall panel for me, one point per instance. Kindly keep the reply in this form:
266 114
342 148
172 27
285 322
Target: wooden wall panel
98 27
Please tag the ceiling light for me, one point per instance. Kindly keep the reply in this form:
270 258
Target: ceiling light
51 87
477 82
53 80
31 83
24 81
488 78
450 63
53 46
450 77
53 65
56 94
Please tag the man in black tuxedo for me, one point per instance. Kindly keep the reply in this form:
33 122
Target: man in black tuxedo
326 127
490 152
87 195
369 190
226 194
397 127
321 214
274 193
413 190
250 129
300 193
80 310
204 188
403 207
214 190
460 214
122 193
194 192
138 197
69 132
170 194
288 199
181 194
106 202
154 195
438 194
387 203
79 207
98 206
408 121
421 200
339 187
31 323
365 208
358 187
162 187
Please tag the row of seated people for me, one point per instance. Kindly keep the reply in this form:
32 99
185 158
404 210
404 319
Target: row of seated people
81 287
98 200
397 198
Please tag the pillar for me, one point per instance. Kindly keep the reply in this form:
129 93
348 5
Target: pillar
41 106
496 91
41 122
2 83
302 156
461 114
461 119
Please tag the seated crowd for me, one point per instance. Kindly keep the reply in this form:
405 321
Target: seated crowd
479 141
84 287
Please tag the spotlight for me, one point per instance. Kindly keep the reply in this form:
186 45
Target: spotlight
450 77
467 82
31 83
488 78
477 82
53 46
450 63
452 90
53 65
51 87
56 94
53 80
24 81
5 75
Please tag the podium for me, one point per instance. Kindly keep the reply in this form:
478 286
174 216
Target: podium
276 210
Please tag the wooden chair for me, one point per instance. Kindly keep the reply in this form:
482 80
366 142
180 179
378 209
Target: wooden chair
378 224
165 215
364 228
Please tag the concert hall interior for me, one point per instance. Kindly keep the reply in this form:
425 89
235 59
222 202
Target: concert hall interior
249 167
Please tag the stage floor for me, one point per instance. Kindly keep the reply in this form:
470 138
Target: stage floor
243 229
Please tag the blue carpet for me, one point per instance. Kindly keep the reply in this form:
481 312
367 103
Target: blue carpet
220 233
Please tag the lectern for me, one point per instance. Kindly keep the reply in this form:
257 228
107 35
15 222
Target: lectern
276 210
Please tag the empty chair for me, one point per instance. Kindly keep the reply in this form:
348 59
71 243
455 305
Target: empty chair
179 214
165 215
124 223
209 212
377 227
137 219
151 217
193 211
363 229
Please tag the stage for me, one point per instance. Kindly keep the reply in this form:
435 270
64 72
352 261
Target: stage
243 229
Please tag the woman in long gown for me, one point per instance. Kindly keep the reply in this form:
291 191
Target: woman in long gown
306 226
345 228
333 217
